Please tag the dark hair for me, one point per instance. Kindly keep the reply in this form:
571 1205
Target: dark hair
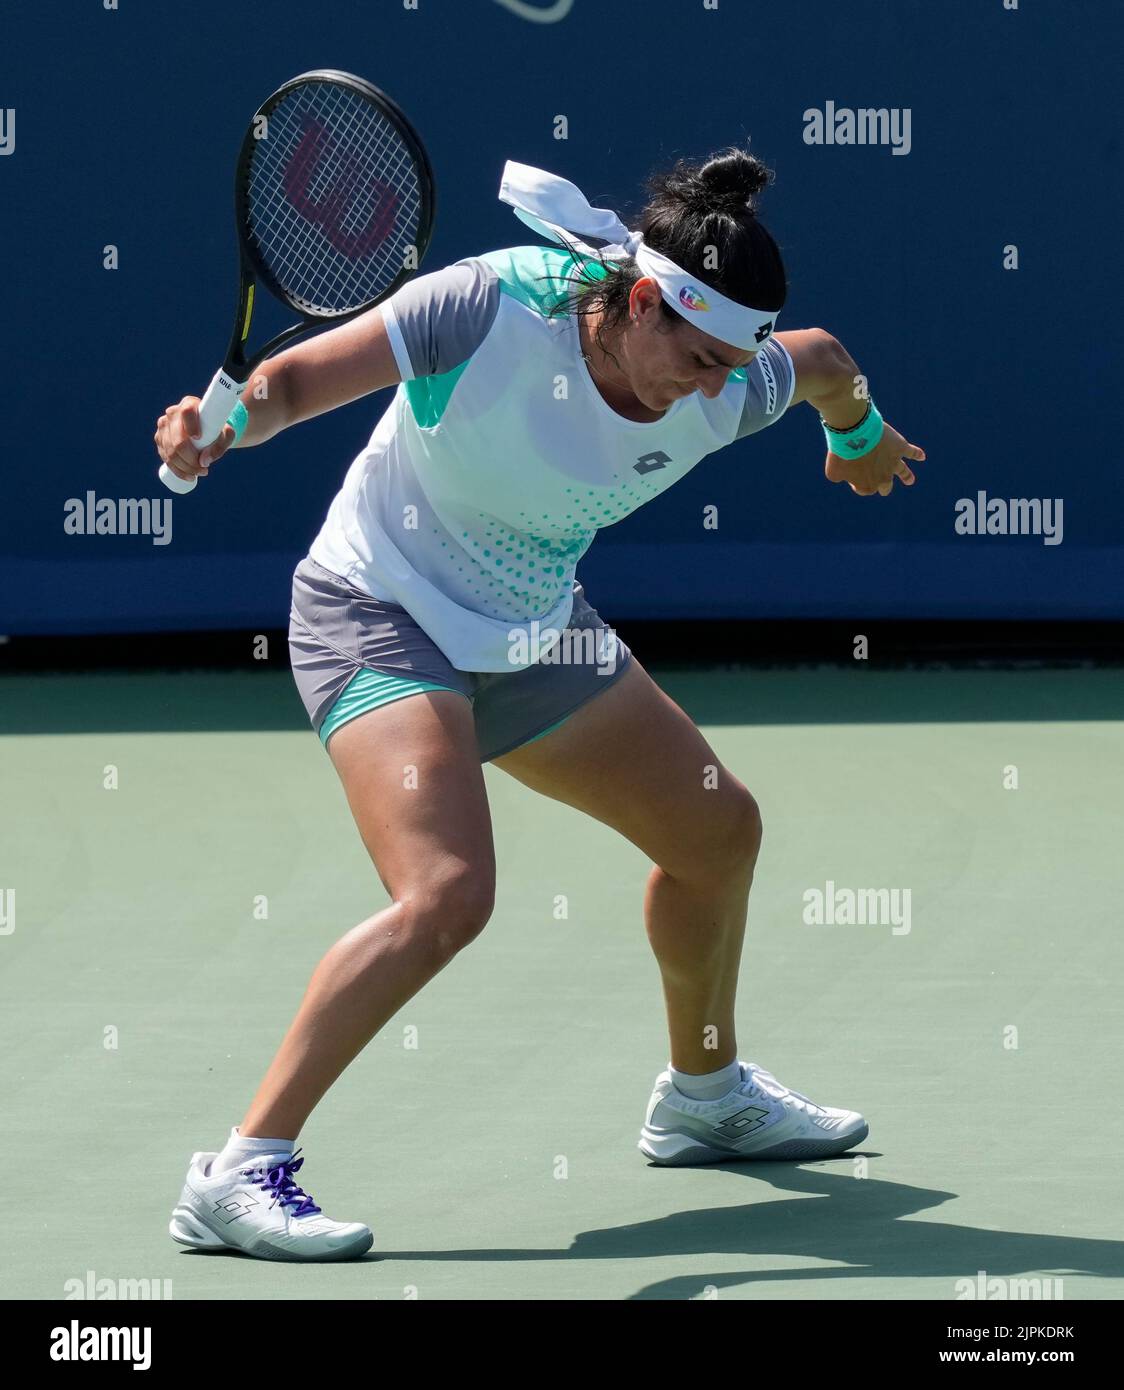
692 207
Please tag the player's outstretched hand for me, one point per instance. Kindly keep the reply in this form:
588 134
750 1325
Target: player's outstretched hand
876 471
176 432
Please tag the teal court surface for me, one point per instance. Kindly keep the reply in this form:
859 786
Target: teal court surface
157 935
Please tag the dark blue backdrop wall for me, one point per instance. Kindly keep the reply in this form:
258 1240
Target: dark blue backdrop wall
126 125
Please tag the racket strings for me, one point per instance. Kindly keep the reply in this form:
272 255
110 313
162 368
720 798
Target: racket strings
334 199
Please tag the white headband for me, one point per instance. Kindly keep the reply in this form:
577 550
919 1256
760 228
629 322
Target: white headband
556 209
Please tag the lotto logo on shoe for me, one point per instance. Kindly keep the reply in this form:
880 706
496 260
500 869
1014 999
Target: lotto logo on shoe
231 1208
743 1123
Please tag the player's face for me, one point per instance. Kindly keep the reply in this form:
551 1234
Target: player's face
673 360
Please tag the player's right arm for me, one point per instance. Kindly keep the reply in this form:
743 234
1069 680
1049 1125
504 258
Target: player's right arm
307 380
431 325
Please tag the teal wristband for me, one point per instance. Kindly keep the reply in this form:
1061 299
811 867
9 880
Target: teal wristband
860 439
238 419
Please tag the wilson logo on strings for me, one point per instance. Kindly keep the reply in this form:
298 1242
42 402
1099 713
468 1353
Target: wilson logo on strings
329 211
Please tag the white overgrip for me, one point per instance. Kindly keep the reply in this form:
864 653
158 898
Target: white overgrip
214 408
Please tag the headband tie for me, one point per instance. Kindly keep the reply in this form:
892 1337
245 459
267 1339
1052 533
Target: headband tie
560 211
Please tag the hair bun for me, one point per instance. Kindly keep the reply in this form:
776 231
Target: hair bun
730 181
727 183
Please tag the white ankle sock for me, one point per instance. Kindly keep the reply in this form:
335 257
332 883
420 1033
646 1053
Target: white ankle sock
713 1086
242 1153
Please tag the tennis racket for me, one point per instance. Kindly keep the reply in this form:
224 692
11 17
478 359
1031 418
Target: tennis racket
333 206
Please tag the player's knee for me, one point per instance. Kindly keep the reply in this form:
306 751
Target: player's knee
451 909
730 836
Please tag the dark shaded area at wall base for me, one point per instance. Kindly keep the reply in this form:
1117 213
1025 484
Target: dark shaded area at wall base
700 643
912 643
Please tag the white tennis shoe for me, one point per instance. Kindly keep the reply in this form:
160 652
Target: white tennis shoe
261 1211
759 1118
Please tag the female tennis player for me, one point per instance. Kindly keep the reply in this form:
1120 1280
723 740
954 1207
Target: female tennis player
542 392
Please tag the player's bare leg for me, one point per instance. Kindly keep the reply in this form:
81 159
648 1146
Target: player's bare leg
432 846
431 842
633 759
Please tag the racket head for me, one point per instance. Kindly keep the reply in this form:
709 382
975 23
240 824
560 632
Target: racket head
333 187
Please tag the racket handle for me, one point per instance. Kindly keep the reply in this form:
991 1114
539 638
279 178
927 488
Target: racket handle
176 484
214 408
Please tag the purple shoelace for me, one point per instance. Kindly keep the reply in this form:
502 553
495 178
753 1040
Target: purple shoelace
280 1183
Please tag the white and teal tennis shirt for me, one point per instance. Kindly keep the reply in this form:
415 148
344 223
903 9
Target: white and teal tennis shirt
498 460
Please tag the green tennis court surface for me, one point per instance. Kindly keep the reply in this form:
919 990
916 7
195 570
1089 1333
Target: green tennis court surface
142 994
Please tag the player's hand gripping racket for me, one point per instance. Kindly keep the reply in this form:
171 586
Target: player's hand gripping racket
333 204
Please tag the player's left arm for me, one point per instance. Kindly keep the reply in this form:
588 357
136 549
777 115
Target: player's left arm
828 378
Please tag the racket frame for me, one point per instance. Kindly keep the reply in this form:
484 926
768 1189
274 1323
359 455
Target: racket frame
253 269
234 375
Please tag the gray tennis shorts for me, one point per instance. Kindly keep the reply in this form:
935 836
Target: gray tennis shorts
337 630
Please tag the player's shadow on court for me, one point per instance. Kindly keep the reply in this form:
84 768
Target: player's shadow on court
861 1223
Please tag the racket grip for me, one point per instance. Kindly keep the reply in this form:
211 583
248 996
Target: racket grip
175 484
214 408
